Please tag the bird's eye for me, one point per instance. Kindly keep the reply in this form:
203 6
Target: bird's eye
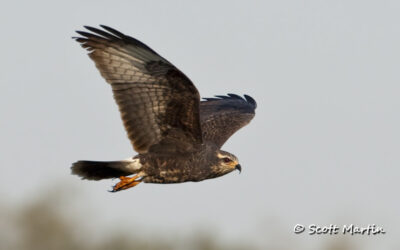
226 160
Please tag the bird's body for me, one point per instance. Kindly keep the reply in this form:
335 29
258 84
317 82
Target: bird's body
178 137
191 166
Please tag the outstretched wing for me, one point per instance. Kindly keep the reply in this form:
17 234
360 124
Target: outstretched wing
156 100
222 116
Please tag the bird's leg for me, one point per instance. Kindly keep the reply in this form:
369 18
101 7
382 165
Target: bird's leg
125 183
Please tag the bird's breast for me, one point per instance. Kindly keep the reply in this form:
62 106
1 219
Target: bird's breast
175 169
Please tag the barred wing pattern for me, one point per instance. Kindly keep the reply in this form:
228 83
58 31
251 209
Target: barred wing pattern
222 116
156 100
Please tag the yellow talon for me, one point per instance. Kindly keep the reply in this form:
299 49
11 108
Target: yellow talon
125 183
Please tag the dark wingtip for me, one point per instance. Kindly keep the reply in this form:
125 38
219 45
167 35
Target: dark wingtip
229 96
222 96
92 29
250 100
113 31
106 27
235 96
84 33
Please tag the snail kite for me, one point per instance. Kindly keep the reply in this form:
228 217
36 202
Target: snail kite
178 137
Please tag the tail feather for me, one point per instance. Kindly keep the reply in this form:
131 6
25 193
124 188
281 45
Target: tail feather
97 170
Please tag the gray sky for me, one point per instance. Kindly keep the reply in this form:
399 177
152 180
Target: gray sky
323 148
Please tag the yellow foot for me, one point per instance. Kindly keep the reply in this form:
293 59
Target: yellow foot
125 183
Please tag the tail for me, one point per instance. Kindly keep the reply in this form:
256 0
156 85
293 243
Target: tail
97 170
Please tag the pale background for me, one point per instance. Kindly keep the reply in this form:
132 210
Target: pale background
323 148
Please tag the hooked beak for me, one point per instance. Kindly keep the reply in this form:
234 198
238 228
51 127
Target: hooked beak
238 167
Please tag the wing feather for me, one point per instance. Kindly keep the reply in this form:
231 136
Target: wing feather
222 116
155 99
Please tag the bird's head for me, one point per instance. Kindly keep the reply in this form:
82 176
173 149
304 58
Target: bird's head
226 163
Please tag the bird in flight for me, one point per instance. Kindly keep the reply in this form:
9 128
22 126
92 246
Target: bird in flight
178 136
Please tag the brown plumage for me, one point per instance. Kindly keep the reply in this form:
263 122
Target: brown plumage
221 117
178 138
